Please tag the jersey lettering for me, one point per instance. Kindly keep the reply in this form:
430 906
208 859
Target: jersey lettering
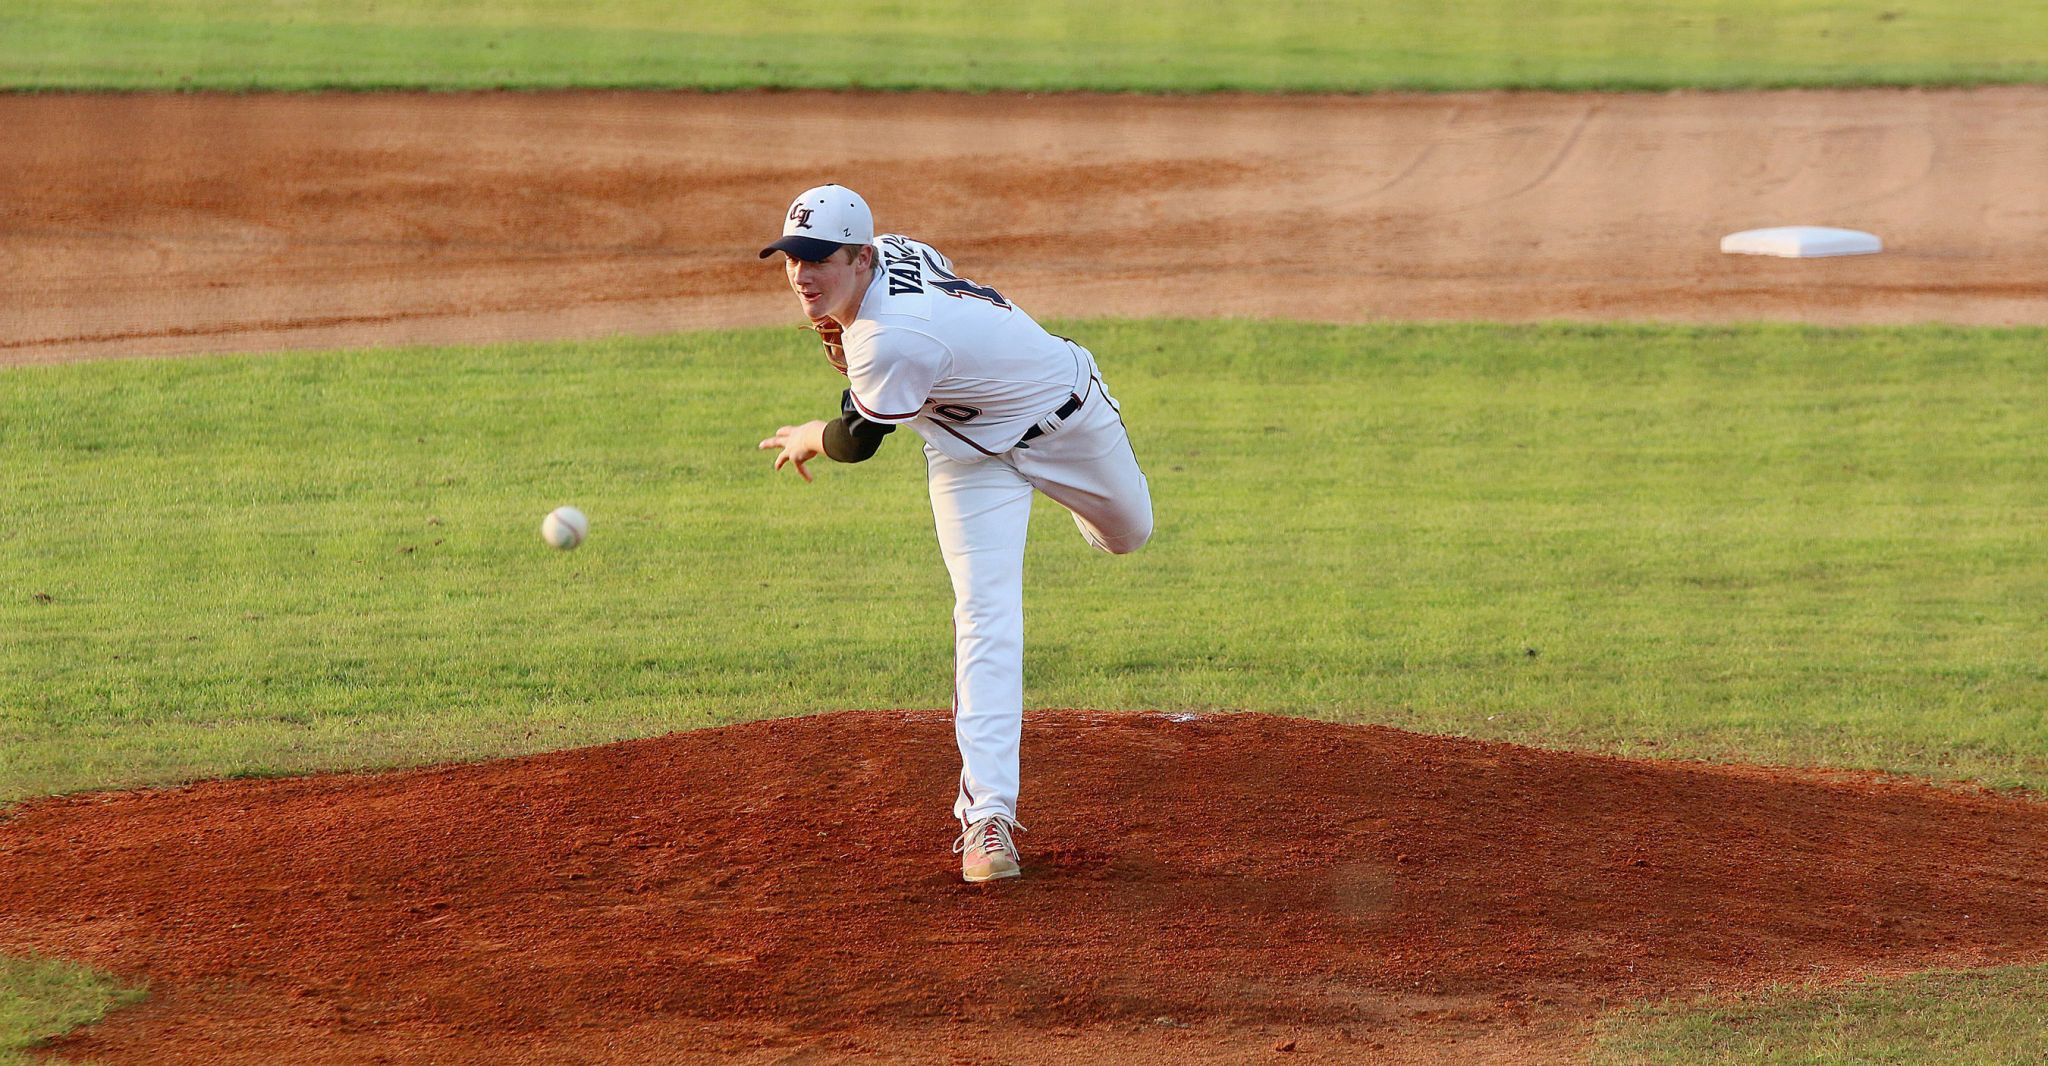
954 285
900 263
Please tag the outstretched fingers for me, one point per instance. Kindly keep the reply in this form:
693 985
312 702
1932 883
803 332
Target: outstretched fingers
785 440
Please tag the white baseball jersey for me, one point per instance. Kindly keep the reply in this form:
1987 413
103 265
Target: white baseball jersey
955 361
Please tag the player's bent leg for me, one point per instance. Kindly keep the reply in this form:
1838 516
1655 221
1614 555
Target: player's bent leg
982 512
1118 527
1090 469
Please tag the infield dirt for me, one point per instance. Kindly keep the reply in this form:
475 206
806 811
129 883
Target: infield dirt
152 225
1198 889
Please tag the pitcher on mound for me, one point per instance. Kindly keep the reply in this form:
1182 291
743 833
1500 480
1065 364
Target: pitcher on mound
1004 408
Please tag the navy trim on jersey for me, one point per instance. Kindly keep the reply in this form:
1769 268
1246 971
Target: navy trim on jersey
964 438
874 416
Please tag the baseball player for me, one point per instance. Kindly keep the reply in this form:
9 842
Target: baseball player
1004 408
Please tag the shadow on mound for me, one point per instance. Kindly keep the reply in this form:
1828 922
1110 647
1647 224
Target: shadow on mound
739 890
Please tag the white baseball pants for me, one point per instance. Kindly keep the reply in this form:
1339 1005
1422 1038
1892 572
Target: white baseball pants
983 511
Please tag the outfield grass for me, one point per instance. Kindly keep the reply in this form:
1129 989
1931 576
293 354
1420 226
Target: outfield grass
1145 45
1774 544
1978 1018
42 998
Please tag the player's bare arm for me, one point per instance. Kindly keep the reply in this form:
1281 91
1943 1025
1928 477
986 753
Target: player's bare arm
846 439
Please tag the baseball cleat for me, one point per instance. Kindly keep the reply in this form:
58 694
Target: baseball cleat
986 851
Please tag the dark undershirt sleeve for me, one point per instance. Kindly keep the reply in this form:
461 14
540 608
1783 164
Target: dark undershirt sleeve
851 438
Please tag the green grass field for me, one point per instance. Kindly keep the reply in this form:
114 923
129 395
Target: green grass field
1144 45
1775 544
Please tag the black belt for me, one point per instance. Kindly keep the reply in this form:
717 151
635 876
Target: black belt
1065 412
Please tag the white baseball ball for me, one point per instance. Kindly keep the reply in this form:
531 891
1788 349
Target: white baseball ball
564 528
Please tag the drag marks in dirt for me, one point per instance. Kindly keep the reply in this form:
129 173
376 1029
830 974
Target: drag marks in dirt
200 223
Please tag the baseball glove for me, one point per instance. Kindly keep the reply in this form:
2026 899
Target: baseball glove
835 349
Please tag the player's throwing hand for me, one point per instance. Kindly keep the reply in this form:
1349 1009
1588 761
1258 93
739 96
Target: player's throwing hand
798 444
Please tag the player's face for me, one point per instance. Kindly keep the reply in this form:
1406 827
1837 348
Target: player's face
826 289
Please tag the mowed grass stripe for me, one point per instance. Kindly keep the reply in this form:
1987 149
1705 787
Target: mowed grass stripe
1144 45
1989 1017
1773 544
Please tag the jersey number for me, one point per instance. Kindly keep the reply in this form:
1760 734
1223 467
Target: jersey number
954 285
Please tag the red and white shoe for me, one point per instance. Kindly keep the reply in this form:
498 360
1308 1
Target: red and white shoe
986 850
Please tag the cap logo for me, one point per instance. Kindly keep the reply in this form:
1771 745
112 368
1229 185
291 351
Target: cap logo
800 215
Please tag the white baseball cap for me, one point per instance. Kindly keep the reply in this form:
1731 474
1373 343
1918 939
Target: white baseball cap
820 220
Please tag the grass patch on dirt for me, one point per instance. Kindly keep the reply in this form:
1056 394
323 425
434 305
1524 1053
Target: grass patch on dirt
1995 1017
42 998
1144 45
1773 544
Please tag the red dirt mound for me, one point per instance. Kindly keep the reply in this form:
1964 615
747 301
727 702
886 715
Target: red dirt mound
1197 887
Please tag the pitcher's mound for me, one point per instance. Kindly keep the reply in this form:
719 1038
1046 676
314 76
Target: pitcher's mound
1196 888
